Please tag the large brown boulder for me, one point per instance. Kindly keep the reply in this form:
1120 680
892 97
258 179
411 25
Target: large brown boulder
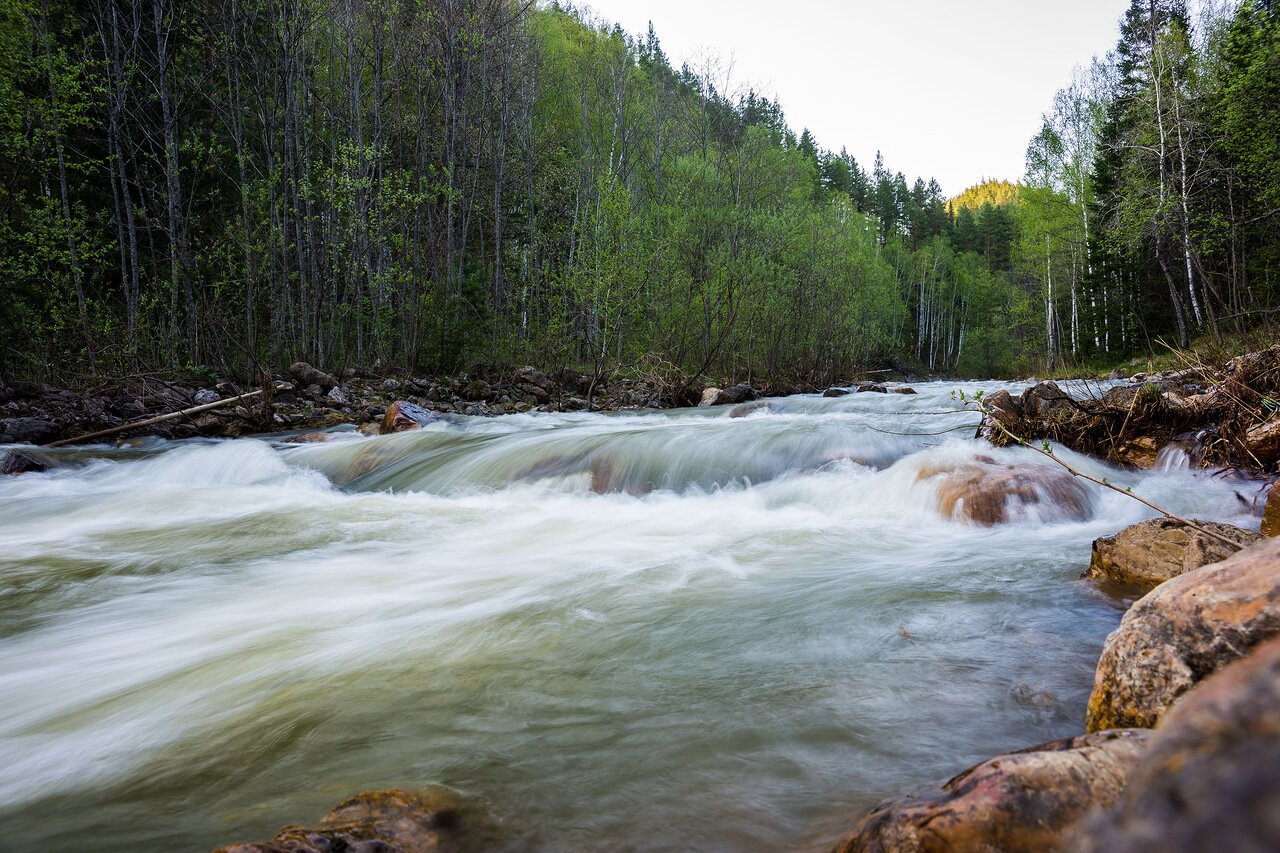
1153 551
1022 800
986 492
1210 779
1263 441
306 375
1182 632
392 821
403 415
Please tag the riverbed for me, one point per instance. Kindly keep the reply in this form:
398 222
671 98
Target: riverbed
645 631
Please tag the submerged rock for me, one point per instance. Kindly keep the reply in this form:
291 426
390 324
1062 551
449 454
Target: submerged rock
21 462
1153 551
1210 779
1022 800
748 408
986 492
836 392
392 821
1182 632
874 387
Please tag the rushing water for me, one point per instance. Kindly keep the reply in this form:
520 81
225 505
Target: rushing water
638 631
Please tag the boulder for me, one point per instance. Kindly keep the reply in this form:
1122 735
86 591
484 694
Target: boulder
27 430
986 492
835 392
1263 441
748 408
1210 778
21 462
205 396
1045 400
902 389
1271 512
393 821
1140 452
403 415
875 387
304 375
740 393
1022 800
533 376
1182 632
714 397
337 397
1153 551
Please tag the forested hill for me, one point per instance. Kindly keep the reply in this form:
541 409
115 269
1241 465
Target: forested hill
440 184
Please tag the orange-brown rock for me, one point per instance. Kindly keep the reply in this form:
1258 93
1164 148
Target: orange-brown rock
1022 800
1210 779
1139 452
986 492
1271 511
1182 632
1151 552
403 415
392 821
1263 441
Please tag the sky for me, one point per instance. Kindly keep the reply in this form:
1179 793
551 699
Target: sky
949 89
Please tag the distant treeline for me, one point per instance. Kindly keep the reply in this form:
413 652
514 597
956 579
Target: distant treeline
444 184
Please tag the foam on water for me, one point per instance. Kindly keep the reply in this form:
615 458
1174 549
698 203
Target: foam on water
665 630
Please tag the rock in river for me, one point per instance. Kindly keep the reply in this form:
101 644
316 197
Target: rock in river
392 821
1183 631
1153 551
986 492
403 415
1210 779
1022 800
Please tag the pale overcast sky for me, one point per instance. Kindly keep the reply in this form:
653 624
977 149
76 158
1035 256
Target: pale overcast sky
945 88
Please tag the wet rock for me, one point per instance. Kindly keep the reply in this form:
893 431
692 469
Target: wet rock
835 392
902 389
205 396
1183 631
875 387
1271 512
392 821
1263 441
1151 552
740 393
748 408
1045 400
986 492
714 397
403 415
1019 801
21 462
1210 779
305 375
1141 452
27 430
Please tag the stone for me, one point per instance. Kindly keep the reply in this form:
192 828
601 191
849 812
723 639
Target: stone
902 389
304 374
1140 452
1151 552
1263 441
533 376
714 397
986 492
872 386
1018 801
337 397
205 396
749 408
1183 631
21 462
740 393
835 392
392 821
1045 400
27 430
1271 512
1210 778
403 415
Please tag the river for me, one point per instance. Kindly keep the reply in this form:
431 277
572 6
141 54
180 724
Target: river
646 631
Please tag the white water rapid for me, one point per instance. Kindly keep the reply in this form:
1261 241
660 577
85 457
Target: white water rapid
646 631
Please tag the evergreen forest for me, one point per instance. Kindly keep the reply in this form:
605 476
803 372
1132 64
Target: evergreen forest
449 185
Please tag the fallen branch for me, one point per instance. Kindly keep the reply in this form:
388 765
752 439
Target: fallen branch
194 410
1047 452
